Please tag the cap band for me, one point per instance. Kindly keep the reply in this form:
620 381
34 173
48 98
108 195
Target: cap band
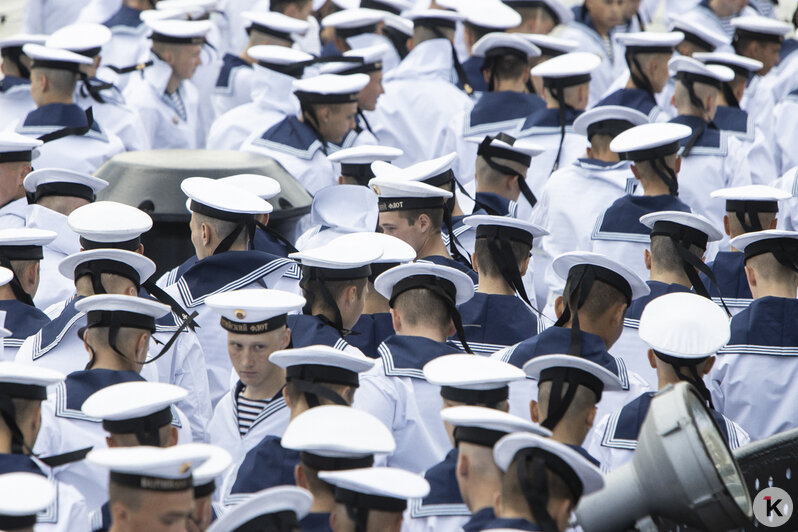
691 77
159 37
567 81
477 436
24 156
685 234
128 245
434 23
437 180
697 40
364 68
63 189
410 203
119 318
335 463
330 274
259 327
204 490
752 208
95 267
21 252
511 233
238 217
260 28
323 374
158 419
317 98
648 154
295 70
145 482
345 33
738 70
380 6
371 502
612 127
475 397
449 291
23 391
56 65
740 33
17 522
284 521
361 172
639 49
784 249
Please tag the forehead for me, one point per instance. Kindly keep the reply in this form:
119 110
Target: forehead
391 217
249 339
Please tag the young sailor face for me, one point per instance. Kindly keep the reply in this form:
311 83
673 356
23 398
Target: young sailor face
337 120
156 511
367 99
185 60
394 223
249 354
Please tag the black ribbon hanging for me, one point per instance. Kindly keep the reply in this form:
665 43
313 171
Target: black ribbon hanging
487 152
131 68
639 78
458 67
694 378
536 491
570 379
70 131
751 209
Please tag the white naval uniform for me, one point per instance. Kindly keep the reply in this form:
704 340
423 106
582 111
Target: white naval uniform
784 114
705 17
65 429
234 85
272 100
80 153
759 101
15 101
165 128
419 101
46 16
128 45
761 157
116 116
788 209
96 11
310 43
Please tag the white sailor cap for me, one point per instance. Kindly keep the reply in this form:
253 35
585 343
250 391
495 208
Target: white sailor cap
499 43
471 379
151 468
489 14
200 7
782 244
22 496
254 310
394 250
694 70
520 151
262 186
650 141
650 42
15 148
607 270
56 58
457 285
662 223
559 11
19 40
394 7
179 31
134 407
362 19
400 24
356 161
62 182
322 363
579 474
5 277
433 17
335 438
398 194
759 28
222 201
551 46
338 262
330 88
436 172
82 38
25 381
128 264
571 368
280 59
485 426
132 311
24 243
751 199
608 120
204 476
109 224
366 60
741 65
684 325
326 208
697 33
376 488
261 505
567 70
275 24
489 226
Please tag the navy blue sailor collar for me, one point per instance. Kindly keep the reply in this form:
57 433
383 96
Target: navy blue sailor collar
479 520
658 288
311 330
766 327
405 356
291 136
52 333
444 497
22 320
79 385
266 465
18 463
230 63
547 120
493 203
9 82
125 16
501 110
57 115
729 270
733 119
623 216
637 99
710 138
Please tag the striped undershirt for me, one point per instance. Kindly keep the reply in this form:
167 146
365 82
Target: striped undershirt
248 410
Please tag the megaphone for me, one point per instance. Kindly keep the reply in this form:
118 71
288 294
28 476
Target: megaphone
682 470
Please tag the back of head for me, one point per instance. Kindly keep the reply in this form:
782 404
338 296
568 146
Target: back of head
422 307
665 257
424 33
512 495
583 402
488 267
602 298
770 270
61 81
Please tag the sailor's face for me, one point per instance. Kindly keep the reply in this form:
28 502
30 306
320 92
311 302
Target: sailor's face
537 20
606 13
394 224
249 354
185 60
340 120
367 99
161 512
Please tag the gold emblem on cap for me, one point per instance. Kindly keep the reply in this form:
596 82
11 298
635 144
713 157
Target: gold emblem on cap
376 189
185 467
240 314
175 120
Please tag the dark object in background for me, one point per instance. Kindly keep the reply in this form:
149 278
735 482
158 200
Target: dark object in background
150 180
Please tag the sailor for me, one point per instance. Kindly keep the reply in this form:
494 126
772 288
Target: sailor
105 99
328 220
569 388
710 159
73 138
398 30
761 337
372 499
764 158
282 507
703 329
21 394
697 37
423 300
748 209
20 253
420 94
266 239
301 145
274 70
566 81
15 98
222 229
528 502
717 15
540 16
376 323
505 103
474 382
332 438
335 285
601 175
128 39
501 313
302 10
653 150
149 487
590 313
351 28
675 260
16 155
235 86
370 62
117 337
24 495
162 93
647 54
315 376
255 322
415 212
355 162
